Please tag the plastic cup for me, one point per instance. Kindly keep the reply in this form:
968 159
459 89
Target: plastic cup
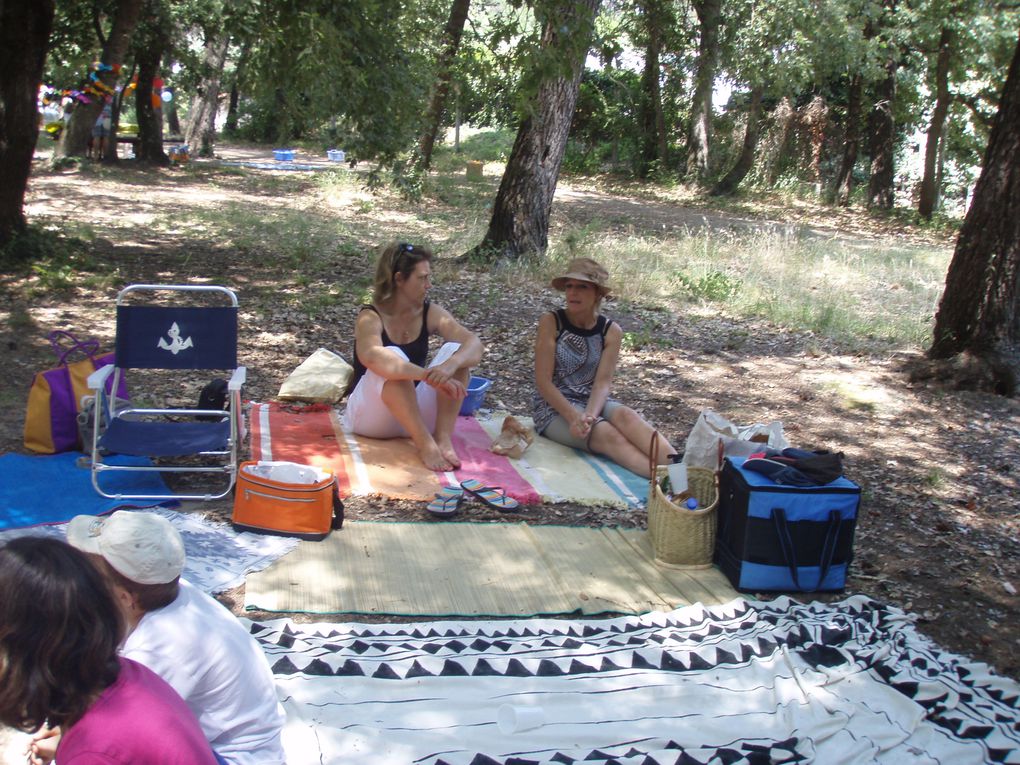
516 719
677 476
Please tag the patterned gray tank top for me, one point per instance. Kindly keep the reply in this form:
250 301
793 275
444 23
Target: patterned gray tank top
578 353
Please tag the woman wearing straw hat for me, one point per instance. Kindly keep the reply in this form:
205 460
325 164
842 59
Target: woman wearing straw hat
576 352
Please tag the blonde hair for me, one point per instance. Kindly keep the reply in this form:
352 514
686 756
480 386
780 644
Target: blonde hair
396 258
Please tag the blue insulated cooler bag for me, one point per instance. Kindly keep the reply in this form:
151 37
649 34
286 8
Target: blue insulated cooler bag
780 538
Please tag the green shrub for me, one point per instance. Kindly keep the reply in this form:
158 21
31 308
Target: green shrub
715 285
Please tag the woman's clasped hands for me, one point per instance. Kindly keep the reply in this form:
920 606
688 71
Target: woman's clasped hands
581 425
441 377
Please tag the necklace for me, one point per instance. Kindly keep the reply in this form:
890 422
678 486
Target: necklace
403 330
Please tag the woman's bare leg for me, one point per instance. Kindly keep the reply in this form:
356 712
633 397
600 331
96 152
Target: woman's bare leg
400 398
607 440
637 430
447 410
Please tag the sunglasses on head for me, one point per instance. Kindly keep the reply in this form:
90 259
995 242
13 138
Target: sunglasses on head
401 249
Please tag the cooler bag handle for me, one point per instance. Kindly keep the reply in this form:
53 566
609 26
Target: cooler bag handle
790 555
338 507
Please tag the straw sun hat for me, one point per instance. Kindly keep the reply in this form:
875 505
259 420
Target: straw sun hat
584 270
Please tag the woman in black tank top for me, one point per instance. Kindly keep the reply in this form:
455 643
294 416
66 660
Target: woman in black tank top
395 391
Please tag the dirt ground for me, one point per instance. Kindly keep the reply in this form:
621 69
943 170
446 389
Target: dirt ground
938 533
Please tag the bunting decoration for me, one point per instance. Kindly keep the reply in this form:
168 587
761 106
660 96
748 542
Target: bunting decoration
95 85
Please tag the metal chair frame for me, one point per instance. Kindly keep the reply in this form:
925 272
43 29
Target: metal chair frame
167 423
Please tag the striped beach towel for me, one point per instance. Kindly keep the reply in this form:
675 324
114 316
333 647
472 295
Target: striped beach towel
547 473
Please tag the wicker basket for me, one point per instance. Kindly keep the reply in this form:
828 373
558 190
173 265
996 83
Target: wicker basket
683 538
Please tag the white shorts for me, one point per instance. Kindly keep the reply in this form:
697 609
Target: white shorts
367 415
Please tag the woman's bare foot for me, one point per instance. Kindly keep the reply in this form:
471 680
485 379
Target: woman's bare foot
435 459
448 452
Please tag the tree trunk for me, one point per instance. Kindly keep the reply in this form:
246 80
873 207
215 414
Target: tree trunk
150 118
815 118
74 140
653 121
230 123
785 116
112 152
173 119
24 32
200 135
520 214
278 127
437 104
940 167
929 191
456 120
978 316
745 161
882 142
844 182
699 137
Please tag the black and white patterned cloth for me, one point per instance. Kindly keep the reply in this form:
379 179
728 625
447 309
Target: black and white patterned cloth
745 682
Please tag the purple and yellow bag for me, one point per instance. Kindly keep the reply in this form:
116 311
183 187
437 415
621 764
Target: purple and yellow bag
51 418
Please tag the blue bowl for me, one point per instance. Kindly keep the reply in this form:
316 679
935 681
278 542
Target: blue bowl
283 155
475 395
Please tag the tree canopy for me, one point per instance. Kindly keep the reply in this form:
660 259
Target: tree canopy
361 75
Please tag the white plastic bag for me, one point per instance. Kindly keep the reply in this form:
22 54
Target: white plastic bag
322 377
287 472
702 448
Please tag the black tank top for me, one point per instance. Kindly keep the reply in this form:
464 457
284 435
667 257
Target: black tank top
417 350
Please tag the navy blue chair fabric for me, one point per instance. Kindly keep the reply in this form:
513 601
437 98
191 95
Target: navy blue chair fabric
165 439
156 337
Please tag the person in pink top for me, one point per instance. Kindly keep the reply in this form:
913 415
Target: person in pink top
59 632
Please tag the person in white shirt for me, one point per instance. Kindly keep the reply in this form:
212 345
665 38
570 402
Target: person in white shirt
185 636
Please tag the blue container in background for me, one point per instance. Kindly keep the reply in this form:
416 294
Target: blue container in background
475 395
283 155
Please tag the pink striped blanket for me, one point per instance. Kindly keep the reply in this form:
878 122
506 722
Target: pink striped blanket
548 472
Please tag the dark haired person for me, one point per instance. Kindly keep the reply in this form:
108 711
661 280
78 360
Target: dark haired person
576 351
59 632
185 636
396 391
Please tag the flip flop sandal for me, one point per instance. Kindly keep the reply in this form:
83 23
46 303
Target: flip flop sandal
446 503
493 496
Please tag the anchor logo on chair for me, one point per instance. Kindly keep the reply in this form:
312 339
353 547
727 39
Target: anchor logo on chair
176 344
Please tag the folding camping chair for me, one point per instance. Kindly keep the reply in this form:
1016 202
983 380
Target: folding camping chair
182 329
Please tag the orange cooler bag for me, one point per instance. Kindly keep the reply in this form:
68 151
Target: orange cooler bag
263 503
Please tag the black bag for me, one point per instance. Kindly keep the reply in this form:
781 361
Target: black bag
783 538
796 467
213 396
